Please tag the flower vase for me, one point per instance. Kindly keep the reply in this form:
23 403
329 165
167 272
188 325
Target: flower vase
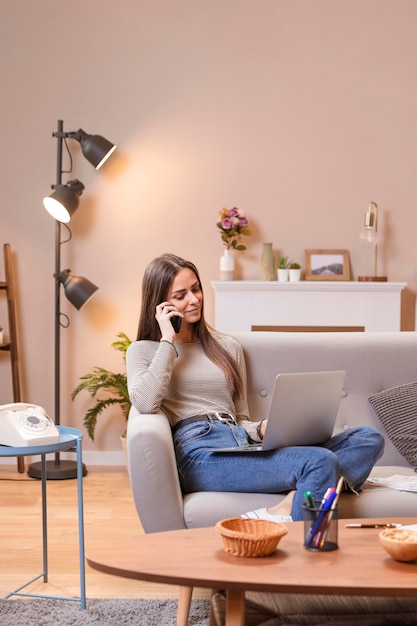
267 263
227 265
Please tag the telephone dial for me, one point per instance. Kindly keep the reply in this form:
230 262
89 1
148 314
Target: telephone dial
24 424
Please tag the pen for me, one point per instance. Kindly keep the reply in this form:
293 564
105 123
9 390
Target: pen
383 525
309 500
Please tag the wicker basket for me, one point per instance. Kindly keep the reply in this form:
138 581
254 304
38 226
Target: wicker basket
250 537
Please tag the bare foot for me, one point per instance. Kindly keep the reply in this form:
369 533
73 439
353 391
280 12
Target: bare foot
284 507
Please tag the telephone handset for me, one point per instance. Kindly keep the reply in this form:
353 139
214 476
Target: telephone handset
24 424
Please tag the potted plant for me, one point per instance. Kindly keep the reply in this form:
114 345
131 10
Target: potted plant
282 268
113 384
294 271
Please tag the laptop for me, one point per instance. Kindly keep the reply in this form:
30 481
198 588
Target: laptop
303 411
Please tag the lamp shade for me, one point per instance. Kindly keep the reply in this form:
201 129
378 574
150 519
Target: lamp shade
78 289
95 148
64 200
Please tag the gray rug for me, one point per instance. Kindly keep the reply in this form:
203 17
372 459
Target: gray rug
45 612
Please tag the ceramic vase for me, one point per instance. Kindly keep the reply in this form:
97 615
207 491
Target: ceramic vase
267 262
227 265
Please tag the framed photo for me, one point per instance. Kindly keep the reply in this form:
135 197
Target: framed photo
327 265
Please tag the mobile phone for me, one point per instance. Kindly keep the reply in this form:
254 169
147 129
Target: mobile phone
176 322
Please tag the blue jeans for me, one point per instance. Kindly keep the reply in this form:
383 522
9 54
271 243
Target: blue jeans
350 454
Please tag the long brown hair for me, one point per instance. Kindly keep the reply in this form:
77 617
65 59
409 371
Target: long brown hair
157 280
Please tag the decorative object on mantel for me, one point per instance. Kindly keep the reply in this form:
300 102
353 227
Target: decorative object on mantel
294 272
327 265
232 225
267 263
227 265
282 270
369 238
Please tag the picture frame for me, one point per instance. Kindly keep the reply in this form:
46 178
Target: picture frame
327 265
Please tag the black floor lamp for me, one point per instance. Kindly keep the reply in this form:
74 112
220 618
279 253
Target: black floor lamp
61 204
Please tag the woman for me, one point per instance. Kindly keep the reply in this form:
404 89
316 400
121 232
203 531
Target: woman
197 377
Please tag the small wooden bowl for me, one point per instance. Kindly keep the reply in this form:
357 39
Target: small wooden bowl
250 537
400 543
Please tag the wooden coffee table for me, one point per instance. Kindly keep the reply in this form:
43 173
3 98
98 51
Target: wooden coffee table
196 558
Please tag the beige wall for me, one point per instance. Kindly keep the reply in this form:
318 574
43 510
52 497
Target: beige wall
299 112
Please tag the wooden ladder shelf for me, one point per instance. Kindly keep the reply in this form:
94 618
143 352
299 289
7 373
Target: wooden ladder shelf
11 346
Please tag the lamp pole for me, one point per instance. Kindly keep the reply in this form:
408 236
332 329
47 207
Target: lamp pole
57 401
57 364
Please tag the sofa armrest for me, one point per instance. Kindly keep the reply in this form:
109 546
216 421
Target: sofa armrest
153 472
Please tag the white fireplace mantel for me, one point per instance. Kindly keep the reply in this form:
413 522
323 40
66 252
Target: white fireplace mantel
346 305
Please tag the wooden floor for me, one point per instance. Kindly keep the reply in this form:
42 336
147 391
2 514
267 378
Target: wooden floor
108 511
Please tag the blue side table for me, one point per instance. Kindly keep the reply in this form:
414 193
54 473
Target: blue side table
70 439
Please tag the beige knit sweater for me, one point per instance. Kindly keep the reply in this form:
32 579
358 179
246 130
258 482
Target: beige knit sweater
187 385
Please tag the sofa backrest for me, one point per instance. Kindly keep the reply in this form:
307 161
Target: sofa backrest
373 362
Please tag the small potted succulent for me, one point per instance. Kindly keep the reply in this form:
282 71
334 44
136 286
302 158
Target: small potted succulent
294 271
282 268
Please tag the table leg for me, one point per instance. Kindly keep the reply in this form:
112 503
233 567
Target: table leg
81 523
235 608
20 464
44 520
184 603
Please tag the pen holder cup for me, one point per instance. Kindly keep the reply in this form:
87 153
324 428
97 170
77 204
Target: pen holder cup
320 528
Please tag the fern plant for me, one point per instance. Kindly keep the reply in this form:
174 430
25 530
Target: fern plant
99 379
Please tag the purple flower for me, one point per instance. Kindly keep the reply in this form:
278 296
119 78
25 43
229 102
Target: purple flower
227 223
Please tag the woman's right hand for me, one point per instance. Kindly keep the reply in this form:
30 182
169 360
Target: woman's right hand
163 314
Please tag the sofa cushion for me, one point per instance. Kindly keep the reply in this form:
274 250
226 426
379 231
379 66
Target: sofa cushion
396 409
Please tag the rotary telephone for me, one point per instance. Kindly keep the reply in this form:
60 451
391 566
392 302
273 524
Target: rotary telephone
24 425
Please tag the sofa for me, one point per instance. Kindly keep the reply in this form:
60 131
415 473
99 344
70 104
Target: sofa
379 365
